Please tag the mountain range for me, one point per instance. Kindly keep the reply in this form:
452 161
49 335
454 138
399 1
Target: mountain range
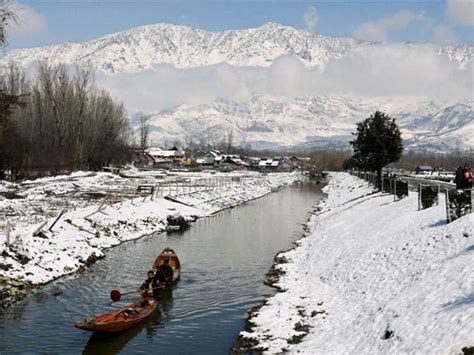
262 119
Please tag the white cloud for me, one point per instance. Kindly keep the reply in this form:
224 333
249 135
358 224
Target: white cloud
460 12
385 70
310 18
30 22
444 35
398 70
379 30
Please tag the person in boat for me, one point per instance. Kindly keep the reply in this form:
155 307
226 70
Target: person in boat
147 287
164 273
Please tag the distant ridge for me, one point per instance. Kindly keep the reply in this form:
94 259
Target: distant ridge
184 47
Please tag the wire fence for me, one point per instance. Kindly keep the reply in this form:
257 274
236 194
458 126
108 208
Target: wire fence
397 187
458 202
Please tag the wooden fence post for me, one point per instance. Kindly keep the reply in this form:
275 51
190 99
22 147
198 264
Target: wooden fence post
437 195
37 230
394 190
57 219
103 202
419 196
7 234
448 210
472 199
122 196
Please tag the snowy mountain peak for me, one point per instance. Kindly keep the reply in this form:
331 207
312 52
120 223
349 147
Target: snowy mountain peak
182 46
279 121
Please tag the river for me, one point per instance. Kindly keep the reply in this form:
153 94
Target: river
224 260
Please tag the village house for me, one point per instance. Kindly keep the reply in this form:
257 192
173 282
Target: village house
424 170
231 163
276 164
211 158
268 164
164 158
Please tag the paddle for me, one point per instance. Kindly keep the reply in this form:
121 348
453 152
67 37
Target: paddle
116 295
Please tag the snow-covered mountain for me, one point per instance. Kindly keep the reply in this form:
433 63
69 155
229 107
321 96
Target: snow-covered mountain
184 47
313 122
265 119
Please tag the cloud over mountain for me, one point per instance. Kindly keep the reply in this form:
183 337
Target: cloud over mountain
161 68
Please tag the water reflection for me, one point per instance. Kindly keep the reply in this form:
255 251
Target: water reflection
113 343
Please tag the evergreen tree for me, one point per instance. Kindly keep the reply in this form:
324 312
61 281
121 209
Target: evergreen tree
378 143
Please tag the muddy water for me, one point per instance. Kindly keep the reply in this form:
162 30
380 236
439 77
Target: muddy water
224 261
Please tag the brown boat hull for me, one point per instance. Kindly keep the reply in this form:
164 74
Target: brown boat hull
120 319
169 254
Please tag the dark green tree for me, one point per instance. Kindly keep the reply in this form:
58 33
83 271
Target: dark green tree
378 143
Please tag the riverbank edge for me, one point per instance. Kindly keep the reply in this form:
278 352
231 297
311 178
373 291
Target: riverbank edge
272 277
261 336
13 290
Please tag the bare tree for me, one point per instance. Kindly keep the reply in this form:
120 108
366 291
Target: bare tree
7 17
8 101
230 138
144 132
66 123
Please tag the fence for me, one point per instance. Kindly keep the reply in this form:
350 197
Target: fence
458 203
398 188
109 192
428 196
5 229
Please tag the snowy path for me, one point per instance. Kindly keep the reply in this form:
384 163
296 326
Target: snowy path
374 276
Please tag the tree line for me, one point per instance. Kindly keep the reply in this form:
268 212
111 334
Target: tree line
58 121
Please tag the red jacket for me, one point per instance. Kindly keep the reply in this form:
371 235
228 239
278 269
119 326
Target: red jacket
468 177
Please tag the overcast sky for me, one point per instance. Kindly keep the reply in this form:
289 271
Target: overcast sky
54 21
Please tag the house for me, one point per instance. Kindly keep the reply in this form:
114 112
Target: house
230 163
210 158
424 170
162 157
276 164
268 164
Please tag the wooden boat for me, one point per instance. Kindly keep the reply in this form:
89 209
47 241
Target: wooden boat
169 254
120 319
133 313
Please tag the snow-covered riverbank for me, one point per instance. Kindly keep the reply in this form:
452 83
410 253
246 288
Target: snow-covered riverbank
373 276
79 237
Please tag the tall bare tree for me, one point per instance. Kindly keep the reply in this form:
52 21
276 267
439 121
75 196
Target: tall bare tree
67 122
144 132
7 100
7 17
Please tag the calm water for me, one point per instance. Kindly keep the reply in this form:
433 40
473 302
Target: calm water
224 260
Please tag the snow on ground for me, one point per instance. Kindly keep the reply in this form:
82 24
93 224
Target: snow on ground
373 277
79 237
